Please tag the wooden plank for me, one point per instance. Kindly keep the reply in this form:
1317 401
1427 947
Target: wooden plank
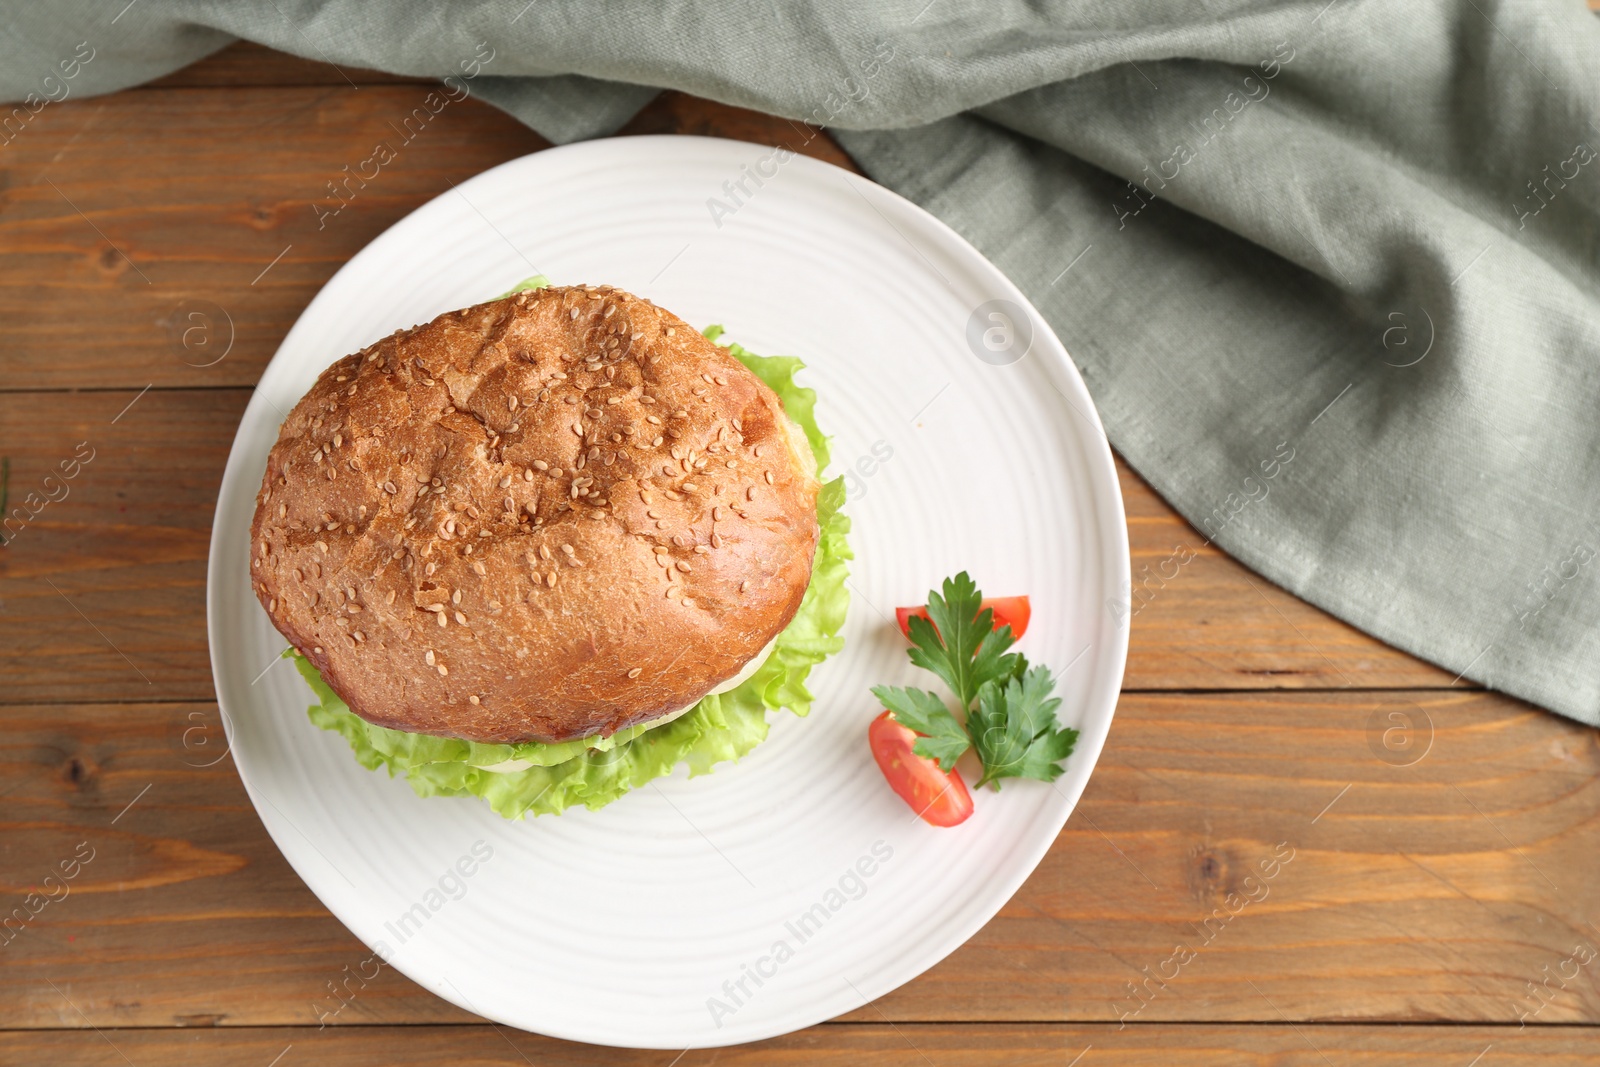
97 277
1413 893
102 596
227 214
878 1044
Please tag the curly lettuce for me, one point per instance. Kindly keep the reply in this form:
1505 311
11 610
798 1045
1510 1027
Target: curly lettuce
598 770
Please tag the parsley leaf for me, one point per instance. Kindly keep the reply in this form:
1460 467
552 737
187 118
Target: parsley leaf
944 738
961 645
1015 731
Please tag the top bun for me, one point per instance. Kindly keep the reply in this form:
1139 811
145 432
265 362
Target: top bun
550 516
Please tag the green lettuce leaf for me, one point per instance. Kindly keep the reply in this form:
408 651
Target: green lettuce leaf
596 771
538 281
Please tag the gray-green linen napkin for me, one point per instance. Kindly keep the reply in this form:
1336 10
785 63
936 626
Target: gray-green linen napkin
1329 268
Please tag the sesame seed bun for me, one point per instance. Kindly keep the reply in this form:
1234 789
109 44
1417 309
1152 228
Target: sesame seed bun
542 518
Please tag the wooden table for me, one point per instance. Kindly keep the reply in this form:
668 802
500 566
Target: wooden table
1438 908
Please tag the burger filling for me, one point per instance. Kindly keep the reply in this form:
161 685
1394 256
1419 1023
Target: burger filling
749 669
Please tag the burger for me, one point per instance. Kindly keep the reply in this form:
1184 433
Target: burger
544 549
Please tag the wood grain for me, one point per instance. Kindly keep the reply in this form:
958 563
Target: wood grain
230 208
878 1044
1411 893
102 596
227 182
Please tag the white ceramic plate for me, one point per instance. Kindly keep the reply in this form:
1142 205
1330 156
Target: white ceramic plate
641 924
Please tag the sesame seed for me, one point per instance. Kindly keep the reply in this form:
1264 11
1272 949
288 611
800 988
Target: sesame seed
716 540
744 585
317 649
283 509
768 476
511 402
653 514
568 549
684 567
462 619
614 400
687 602
455 598
574 312
478 568
390 598
690 487
750 493
443 670
444 620
670 331
505 483
538 464
429 658
550 579
721 380
636 672
473 699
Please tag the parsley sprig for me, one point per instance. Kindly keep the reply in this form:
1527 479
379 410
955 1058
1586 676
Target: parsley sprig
1009 708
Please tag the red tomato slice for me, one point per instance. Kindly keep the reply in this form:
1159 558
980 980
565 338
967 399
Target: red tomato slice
1013 611
940 799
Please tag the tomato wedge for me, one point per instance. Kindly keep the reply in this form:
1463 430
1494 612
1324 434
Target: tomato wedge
940 798
1013 611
